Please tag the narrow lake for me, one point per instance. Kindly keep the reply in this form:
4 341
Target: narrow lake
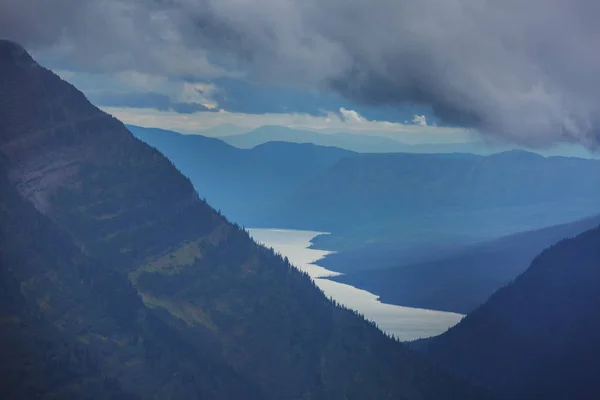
405 323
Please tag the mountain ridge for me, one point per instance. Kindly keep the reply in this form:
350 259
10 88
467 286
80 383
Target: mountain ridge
169 299
458 280
347 141
537 336
241 182
426 199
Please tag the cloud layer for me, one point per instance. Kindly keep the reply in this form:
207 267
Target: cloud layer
210 124
522 70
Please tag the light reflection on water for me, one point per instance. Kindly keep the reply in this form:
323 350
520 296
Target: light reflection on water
405 323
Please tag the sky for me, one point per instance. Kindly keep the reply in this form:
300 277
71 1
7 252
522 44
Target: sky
521 71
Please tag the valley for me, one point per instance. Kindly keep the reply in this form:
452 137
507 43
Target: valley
430 231
466 261
118 281
403 323
456 279
307 253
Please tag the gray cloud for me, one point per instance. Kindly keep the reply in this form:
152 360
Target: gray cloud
157 101
520 70
104 36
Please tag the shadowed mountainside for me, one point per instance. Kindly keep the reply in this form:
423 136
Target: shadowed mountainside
117 281
536 338
432 199
241 183
462 279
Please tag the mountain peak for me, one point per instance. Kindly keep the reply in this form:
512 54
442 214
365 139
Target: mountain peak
517 153
13 53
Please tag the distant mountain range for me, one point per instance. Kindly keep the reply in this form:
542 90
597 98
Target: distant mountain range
419 199
367 143
360 143
223 130
118 282
453 201
536 338
413 199
242 183
457 280
348 141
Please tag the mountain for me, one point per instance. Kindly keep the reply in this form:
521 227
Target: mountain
427 199
223 130
241 183
536 338
368 143
118 282
457 280
455 199
348 141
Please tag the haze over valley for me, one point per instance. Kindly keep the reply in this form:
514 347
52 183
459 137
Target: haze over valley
299 199
361 199
486 216
403 323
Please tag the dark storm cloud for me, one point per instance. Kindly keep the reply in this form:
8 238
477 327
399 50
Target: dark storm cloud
158 101
104 36
522 70
241 96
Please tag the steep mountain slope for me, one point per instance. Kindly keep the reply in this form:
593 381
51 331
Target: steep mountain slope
536 338
242 183
463 279
424 199
75 328
118 281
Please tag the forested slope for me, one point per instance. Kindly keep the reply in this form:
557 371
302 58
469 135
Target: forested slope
119 281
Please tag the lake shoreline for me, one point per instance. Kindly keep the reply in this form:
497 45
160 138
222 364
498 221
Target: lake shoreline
404 323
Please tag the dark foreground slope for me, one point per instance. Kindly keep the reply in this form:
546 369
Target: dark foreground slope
242 183
536 338
72 327
464 279
118 282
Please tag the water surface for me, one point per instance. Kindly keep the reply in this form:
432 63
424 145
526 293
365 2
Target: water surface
405 323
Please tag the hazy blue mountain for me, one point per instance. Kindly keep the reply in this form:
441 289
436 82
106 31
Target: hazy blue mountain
431 199
359 143
118 282
536 338
223 130
362 143
455 280
242 183
348 141
385 201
